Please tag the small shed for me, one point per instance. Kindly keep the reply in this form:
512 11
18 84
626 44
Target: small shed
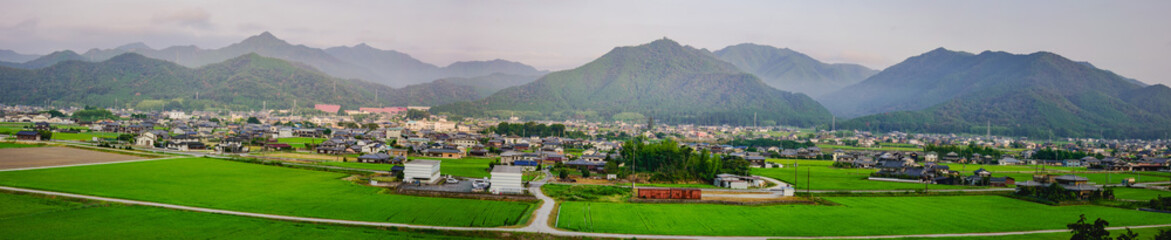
28 136
669 193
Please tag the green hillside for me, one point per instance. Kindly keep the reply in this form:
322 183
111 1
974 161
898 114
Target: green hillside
245 82
661 79
1038 95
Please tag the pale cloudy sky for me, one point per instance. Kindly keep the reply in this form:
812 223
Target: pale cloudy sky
1132 38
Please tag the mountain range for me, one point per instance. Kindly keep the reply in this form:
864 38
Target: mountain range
14 57
1039 94
662 79
387 67
246 82
789 70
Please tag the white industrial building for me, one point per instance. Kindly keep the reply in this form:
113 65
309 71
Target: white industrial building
506 179
425 171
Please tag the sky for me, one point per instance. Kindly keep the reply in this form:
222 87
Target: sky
1131 38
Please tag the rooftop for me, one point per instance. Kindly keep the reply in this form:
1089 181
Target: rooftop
423 162
506 169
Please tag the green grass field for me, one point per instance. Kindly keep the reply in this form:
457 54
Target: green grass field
238 186
83 136
18 145
299 142
1139 194
856 216
1097 178
33 217
825 177
1143 233
968 168
358 165
463 167
830 148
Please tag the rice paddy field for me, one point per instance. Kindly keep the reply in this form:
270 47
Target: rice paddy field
228 185
299 142
34 217
18 145
830 148
968 168
856 216
83 136
1143 233
463 167
824 176
358 165
1139 194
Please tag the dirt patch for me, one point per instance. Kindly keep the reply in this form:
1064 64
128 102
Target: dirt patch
11 158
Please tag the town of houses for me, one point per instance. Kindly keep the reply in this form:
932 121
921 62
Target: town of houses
384 135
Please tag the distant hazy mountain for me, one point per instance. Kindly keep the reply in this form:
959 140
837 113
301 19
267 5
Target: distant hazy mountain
789 70
661 79
469 69
47 60
394 67
14 57
1026 95
361 61
246 82
489 84
404 69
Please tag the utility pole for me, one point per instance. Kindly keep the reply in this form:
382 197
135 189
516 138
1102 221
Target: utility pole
988 134
833 124
808 186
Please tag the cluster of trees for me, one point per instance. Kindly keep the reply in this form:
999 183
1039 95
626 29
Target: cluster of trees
532 128
1056 193
1057 154
765 142
90 114
1083 230
1161 203
966 152
668 161
416 114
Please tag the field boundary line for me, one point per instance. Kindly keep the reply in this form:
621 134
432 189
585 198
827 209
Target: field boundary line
88 164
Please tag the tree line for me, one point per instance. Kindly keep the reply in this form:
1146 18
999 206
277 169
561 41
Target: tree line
532 128
669 161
